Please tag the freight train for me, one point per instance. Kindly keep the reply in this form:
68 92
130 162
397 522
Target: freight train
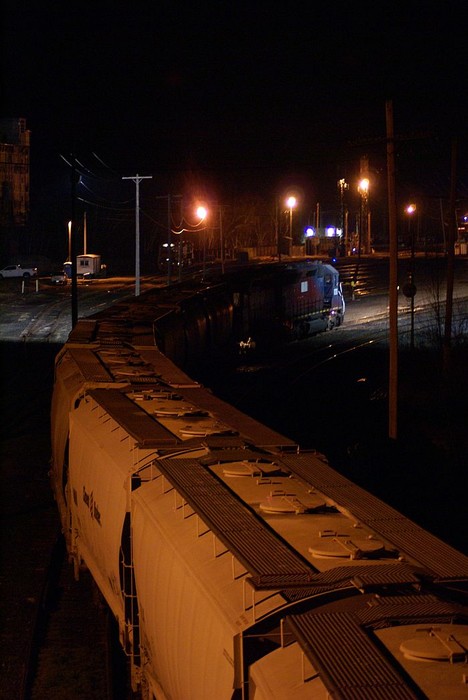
236 564
254 307
287 301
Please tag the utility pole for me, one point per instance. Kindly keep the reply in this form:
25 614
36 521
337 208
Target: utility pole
393 291
452 227
137 179
73 249
85 242
169 199
221 239
69 226
169 241
364 222
342 186
277 229
180 243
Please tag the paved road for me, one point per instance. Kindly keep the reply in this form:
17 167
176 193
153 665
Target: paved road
43 313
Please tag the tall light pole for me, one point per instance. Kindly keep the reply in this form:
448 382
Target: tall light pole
393 281
69 240
342 186
291 203
221 240
137 179
202 213
85 234
73 248
277 229
410 288
169 241
363 189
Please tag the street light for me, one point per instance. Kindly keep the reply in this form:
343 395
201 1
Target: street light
410 288
310 241
221 240
363 189
363 186
290 203
69 240
342 186
202 213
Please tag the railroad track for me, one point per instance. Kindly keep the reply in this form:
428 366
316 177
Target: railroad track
51 321
43 326
49 621
69 645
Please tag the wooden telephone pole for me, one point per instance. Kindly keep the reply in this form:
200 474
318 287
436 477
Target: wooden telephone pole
393 285
451 234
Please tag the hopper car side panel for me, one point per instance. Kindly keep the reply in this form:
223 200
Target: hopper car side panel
98 502
68 384
183 628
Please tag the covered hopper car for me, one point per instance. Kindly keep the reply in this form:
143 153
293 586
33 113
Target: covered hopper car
237 565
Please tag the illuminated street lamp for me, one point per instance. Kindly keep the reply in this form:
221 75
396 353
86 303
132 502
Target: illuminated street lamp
202 213
410 288
410 209
363 186
311 242
69 240
221 237
291 202
364 228
342 187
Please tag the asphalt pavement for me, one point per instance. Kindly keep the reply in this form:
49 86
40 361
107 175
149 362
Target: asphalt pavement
40 312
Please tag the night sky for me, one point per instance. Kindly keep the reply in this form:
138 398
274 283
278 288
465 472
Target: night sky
248 95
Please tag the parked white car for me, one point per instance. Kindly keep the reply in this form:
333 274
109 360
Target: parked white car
18 271
59 278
